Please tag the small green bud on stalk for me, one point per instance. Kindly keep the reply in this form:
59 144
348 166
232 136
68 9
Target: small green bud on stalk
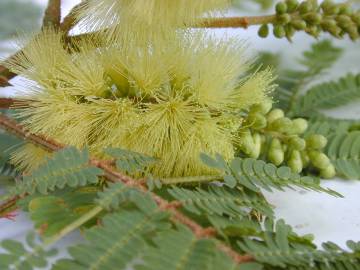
298 24
281 8
312 18
328 172
291 5
256 150
297 143
247 143
279 31
276 154
313 31
319 160
316 141
263 107
343 20
300 125
328 24
329 7
283 18
283 124
305 7
290 32
336 31
295 162
305 158
258 121
263 31
356 18
353 33
345 9
275 114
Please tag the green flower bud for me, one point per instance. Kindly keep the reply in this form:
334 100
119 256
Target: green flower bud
290 32
275 114
328 24
298 24
246 142
328 172
329 7
343 20
297 143
305 7
295 162
256 150
353 33
319 160
345 9
279 31
263 107
316 141
283 125
314 31
263 31
300 125
305 158
283 18
281 8
356 18
312 18
259 121
336 31
276 154
291 5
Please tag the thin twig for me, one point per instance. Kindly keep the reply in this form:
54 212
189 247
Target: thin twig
52 15
70 20
113 175
6 103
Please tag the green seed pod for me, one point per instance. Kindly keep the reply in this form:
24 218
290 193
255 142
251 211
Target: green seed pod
300 125
283 18
297 143
276 154
281 8
291 5
274 114
279 31
283 125
295 162
316 141
298 24
305 7
305 158
319 160
263 107
256 150
312 18
329 172
263 31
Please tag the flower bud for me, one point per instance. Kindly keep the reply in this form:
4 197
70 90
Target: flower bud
316 141
276 154
298 24
281 8
329 7
345 9
275 114
328 24
279 31
291 5
295 162
328 172
283 124
263 31
290 32
259 121
305 158
264 107
312 18
297 143
283 18
256 150
356 18
299 125
319 160
313 31
305 7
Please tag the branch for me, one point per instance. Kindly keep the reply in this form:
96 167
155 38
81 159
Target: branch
236 22
52 16
113 175
6 103
71 19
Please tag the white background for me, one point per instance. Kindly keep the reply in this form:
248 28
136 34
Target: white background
328 218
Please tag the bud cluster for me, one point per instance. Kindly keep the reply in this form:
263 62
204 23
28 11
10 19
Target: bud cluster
334 18
269 133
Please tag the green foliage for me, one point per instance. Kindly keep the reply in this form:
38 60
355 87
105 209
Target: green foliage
68 167
329 95
319 58
115 244
344 151
20 257
129 161
52 213
8 143
18 15
254 174
216 200
278 248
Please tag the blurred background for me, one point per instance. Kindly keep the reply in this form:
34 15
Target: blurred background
328 218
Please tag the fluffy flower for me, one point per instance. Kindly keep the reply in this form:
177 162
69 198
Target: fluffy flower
171 100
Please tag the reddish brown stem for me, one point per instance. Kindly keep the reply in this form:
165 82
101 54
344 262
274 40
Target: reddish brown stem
52 16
